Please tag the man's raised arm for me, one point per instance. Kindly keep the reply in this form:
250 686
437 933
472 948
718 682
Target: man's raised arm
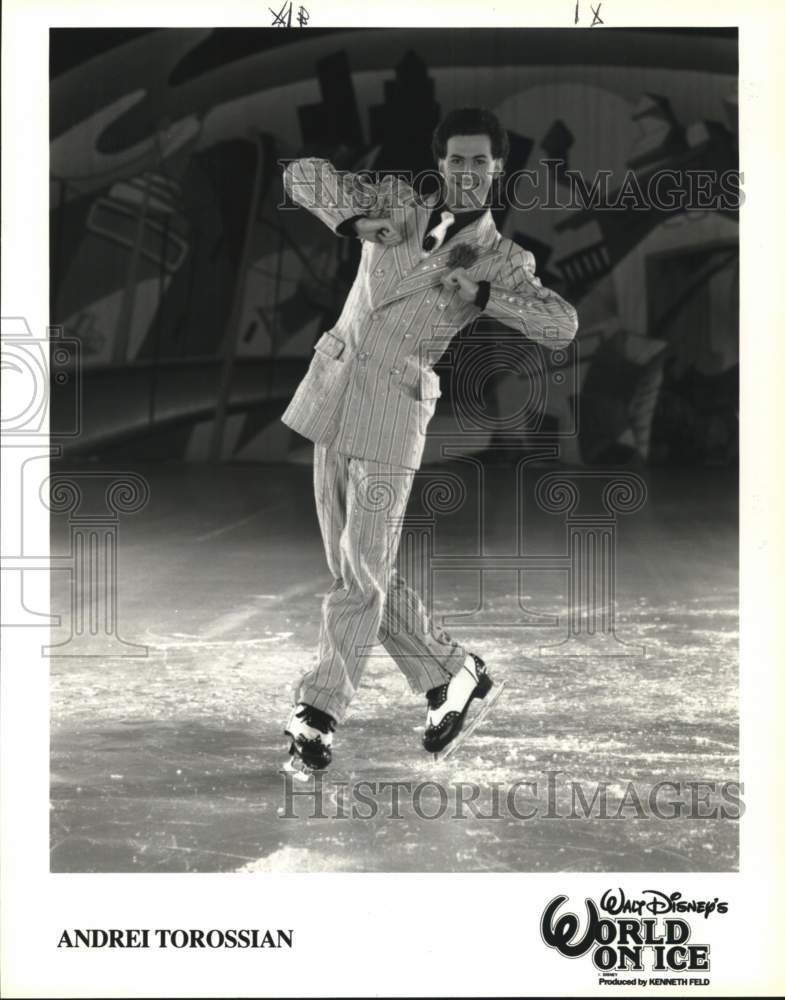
336 197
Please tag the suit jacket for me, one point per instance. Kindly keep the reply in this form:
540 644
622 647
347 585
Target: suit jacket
370 390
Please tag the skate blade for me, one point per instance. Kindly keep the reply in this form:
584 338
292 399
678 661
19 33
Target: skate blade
489 701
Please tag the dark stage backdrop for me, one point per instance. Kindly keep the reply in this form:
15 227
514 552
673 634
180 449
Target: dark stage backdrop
194 302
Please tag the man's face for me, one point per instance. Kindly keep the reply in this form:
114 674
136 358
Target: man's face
468 170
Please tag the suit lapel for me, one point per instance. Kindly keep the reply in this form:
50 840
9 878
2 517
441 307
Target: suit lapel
418 272
415 218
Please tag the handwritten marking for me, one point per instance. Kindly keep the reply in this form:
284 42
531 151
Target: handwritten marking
595 11
283 17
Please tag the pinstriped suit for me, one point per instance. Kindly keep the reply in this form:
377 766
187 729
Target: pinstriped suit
366 401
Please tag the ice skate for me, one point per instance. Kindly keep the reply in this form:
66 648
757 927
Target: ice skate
449 704
310 731
488 703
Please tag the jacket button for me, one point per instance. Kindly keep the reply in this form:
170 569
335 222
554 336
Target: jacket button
406 336
442 305
379 272
395 371
363 356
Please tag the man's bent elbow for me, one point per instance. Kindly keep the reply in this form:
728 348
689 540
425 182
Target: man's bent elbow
571 324
567 326
562 333
288 178
304 184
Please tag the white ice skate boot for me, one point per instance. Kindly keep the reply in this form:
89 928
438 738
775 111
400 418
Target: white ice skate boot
449 703
311 732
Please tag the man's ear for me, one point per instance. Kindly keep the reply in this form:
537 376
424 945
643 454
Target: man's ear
498 167
441 166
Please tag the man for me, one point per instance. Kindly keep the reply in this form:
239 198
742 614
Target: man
369 394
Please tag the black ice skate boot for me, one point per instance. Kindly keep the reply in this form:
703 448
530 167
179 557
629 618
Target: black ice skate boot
311 732
449 703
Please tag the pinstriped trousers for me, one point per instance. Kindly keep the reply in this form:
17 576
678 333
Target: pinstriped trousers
361 505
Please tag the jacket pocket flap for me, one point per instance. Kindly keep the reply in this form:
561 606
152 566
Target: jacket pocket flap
330 345
418 383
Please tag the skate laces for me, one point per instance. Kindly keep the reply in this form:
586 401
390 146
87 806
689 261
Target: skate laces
437 696
479 667
316 719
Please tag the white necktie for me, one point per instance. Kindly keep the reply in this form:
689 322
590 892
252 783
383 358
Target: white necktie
435 237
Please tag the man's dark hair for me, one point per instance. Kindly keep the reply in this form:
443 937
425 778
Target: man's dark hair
470 121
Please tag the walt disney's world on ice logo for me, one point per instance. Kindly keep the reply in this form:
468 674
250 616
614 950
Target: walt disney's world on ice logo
632 935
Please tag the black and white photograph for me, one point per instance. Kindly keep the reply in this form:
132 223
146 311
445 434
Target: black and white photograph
375 502
415 355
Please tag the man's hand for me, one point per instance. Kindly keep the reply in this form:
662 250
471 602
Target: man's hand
458 278
378 231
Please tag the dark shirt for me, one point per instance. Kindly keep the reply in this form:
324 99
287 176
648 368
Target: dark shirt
462 219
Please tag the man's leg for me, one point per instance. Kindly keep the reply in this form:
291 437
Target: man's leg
327 685
425 653
361 505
